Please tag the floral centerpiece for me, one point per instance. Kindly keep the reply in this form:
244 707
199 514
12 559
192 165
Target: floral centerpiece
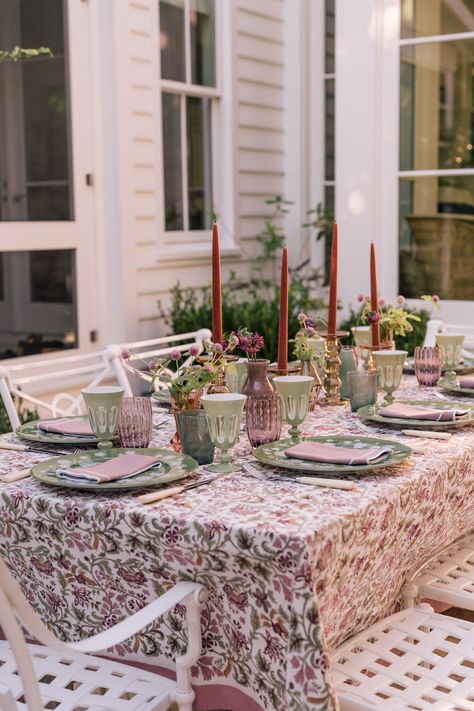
247 342
394 319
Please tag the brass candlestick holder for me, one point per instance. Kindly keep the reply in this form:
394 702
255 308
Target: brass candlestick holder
332 381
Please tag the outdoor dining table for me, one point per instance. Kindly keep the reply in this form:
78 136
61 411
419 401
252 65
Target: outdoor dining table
291 570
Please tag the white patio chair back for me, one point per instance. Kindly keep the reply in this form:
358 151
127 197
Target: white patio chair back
62 675
47 383
158 348
435 326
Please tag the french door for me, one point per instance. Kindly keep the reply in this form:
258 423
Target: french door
47 276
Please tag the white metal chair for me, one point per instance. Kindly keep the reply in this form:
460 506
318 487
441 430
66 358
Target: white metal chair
435 326
31 379
447 577
415 659
160 348
60 676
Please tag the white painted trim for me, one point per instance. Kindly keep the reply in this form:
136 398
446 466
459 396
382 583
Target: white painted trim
181 87
435 173
436 38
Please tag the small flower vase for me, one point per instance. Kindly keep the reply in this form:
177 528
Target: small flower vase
307 367
189 402
348 364
263 408
387 342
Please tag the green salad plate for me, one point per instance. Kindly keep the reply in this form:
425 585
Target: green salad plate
273 453
452 386
32 432
466 366
372 414
172 468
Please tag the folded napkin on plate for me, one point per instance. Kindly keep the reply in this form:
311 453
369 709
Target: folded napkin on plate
327 453
78 428
467 382
121 467
413 412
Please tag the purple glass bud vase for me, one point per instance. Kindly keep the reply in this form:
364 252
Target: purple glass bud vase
262 409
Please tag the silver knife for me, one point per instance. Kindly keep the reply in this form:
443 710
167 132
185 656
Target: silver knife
27 448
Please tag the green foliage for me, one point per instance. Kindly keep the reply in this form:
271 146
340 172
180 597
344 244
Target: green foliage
18 53
407 342
24 414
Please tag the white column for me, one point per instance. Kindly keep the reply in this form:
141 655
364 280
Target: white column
366 143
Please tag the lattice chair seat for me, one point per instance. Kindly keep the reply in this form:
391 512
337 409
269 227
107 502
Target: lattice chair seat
446 577
60 675
80 682
413 660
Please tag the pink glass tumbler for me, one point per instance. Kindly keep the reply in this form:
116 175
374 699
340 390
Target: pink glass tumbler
428 365
135 422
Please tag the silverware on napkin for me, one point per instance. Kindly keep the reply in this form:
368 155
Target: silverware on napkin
172 491
427 434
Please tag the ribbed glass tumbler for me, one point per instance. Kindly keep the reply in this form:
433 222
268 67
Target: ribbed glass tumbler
428 365
263 419
135 422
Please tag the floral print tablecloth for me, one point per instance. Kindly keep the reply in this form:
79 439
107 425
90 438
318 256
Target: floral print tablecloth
291 570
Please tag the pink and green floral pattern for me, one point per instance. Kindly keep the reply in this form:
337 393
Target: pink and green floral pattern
291 570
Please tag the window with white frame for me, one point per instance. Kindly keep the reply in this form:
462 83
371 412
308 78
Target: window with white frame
188 94
436 176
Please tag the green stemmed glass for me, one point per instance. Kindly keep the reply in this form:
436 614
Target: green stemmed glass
294 392
224 413
450 345
389 365
103 404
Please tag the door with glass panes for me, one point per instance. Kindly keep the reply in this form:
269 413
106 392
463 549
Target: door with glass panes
46 230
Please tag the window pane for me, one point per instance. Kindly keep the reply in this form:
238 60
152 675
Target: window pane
2 288
172 40
38 308
436 17
202 42
437 237
51 276
171 104
199 163
330 29
437 106
35 160
329 129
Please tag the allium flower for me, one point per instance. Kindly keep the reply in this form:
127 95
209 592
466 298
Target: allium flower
194 350
244 343
175 355
151 365
401 300
373 317
218 347
361 297
302 318
125 354
233 340
208 369
310 330
435 298
381 302
409 328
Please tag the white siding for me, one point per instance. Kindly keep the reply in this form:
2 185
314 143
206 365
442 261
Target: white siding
258 110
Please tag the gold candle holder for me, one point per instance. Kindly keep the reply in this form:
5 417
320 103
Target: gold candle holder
332 381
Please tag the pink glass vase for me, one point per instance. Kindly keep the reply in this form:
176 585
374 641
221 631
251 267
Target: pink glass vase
262 409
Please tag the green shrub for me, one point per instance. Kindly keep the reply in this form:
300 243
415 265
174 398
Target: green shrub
24 414
405 343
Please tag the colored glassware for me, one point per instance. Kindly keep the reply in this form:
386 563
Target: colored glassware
135 422
194 435
262 409
450 346
294 392
390 367
102 403
223 414
428 365
362 387
348 363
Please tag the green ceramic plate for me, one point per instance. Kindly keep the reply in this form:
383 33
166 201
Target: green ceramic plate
273 453
371 412
31 431
173 467
467 366
452 386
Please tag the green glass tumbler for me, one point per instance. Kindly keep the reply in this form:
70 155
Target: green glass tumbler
294 392
224 414
362 387
194 435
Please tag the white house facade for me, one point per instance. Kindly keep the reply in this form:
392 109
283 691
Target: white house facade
152 115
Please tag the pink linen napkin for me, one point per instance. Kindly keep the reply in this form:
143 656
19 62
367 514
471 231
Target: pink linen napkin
75 427
412 412
467 382
317 452
121 467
